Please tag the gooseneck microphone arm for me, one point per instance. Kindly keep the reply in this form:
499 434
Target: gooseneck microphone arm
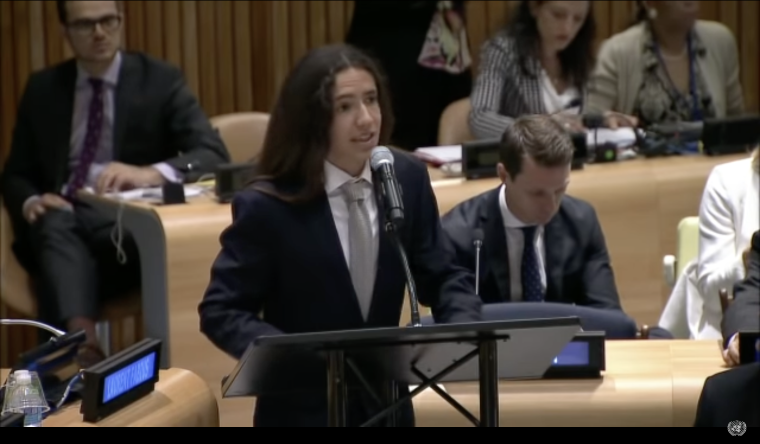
478 242
390 228
28 323
391 197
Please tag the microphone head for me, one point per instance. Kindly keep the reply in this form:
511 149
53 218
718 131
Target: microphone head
478 235
380 156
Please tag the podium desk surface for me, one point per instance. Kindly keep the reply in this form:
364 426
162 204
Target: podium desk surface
648 383
181 399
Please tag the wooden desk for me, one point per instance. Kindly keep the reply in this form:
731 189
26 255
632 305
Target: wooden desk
181 399
647 384
639 204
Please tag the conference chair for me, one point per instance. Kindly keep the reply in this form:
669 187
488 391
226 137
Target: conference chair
454 128
17 292
687 249
242 133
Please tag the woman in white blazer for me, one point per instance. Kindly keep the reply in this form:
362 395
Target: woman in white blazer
728 216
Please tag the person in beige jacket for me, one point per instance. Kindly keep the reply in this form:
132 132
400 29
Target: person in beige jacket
668 67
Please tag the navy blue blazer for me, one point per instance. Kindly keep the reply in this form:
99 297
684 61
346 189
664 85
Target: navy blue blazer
578 266
285 261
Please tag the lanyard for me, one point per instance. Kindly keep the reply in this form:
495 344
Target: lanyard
696 111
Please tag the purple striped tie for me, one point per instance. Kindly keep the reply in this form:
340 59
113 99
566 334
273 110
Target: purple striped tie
91 141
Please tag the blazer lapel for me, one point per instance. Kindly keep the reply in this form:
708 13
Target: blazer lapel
127 92
62 106
554 245
496 248
336 271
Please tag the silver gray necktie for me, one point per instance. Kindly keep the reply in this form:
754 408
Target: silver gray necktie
361 248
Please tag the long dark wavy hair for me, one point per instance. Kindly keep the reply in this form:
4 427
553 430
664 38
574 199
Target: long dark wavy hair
577 59
298 136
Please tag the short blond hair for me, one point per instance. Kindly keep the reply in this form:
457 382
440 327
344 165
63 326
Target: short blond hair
756 160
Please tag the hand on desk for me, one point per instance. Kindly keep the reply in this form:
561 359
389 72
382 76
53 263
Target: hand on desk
121 177
615 120
731 353
37 207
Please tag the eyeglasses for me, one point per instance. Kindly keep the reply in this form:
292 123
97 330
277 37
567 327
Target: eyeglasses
86 27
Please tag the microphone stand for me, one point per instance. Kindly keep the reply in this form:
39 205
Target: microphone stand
391 229
478 246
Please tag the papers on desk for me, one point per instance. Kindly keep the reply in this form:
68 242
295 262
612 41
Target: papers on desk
150 194
440 155
443 155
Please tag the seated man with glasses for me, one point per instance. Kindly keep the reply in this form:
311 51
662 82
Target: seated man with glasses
109 120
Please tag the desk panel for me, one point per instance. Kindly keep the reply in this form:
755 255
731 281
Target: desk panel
181 399
647 384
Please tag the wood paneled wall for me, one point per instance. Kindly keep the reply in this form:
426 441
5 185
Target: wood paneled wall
235 54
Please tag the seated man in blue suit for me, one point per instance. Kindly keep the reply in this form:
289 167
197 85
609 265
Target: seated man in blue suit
566 259
307 247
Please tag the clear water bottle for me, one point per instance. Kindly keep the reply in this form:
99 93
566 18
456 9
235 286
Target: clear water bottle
24 395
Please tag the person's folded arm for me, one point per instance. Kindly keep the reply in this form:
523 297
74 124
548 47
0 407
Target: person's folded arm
197 143
484 120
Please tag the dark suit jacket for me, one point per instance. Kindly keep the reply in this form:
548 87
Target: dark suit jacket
730 396
157 119
286 260
578 266
744 313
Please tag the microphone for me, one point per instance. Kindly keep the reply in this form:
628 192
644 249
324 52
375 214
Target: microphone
381 162
478 243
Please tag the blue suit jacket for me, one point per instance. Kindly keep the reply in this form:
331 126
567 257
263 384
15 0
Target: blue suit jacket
285 260
578 268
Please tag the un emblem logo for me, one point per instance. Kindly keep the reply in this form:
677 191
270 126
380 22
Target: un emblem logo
737 428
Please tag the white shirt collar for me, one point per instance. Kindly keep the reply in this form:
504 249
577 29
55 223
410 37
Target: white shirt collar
335 177
510 220
110 77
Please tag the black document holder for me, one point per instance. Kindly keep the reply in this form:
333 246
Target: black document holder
485 352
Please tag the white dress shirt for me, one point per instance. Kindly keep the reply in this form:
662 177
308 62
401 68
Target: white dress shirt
335 178
515 245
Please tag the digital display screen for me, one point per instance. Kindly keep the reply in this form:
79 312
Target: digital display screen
574 353
129 377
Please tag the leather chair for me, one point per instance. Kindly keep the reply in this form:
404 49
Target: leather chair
17 292
242 133
454 128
